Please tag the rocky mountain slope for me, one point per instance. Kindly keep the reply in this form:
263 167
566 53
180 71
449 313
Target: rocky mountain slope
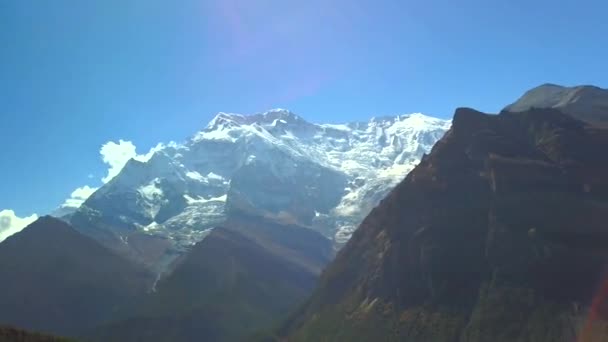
247 274
498 235
57 280
323 176
587 103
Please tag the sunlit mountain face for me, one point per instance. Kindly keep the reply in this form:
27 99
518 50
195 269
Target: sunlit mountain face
323 176
587 103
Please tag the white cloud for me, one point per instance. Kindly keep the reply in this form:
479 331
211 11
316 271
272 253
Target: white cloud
78 197
116 155
11 223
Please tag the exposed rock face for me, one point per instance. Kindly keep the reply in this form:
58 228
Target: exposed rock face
326 177
587 103
500 234
56 280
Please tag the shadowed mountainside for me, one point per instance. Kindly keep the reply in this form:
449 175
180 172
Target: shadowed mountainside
10 334
500 234
57 280
246 275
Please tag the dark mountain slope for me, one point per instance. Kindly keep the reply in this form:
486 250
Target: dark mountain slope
243 277
9 334
500 234
57 280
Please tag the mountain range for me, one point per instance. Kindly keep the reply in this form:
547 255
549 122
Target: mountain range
323 176
246 232
499 234
238 222
246 274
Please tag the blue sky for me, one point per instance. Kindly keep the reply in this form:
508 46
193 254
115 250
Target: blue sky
77 74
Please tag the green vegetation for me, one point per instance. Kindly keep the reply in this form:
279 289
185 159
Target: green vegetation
9 334
381 323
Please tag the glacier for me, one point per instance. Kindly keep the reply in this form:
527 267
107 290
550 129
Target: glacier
323 176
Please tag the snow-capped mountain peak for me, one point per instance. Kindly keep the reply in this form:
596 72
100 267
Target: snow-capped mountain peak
271 117
222 120
326 176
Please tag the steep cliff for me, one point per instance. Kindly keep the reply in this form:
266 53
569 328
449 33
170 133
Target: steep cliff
500 234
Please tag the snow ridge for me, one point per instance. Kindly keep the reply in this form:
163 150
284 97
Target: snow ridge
185 189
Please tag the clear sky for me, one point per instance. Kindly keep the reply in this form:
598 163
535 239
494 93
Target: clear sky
77 74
